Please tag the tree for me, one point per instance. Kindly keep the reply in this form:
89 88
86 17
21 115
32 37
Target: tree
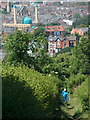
40 25
16 46
53 24
81 60
77 38
28 94
82 21
38 31
77 16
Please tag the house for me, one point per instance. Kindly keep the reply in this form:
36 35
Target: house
71 40
68 22
54 30
80 31
56 43
53 44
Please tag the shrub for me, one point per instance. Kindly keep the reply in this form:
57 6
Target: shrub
27 93
82 94
75 80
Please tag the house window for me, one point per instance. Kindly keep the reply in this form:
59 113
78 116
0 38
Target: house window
58 45
57 33
64 44
50 44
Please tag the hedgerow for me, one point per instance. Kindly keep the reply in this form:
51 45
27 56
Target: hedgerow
82 94
27 93
75 80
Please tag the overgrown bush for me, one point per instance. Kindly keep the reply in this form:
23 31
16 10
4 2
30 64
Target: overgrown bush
27 93
82 94
75 80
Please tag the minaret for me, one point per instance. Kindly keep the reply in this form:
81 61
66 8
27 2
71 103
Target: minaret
36 13
14 7
8 6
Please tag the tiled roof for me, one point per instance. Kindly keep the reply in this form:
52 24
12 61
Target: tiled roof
54 28
50 38
71 38
84 29
80 31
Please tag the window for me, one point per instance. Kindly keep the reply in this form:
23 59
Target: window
58 45
64 44
57 33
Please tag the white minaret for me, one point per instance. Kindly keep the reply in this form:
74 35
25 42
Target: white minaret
8 6
36 13
14 7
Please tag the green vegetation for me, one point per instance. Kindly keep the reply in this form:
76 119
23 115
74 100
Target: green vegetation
16 45
81 20
53 24
32 84
81 60
40 25
74 81
67 49
50 24
27 93
82 94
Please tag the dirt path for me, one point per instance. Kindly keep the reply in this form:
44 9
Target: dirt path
74 106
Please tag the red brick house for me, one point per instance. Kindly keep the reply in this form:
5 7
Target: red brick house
56 43
71 40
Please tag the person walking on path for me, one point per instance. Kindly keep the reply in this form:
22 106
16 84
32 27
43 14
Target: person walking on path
65 95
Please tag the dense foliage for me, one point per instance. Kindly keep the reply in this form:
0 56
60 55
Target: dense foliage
74 81
16 46
27 93
81 59
67 49
82 94
81 20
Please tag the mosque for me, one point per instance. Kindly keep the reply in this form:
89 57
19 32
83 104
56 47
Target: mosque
26 23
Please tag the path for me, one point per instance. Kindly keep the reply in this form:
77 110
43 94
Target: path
75 107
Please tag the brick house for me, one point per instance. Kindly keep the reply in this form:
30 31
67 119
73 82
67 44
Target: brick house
56 39
80 31
56 43
71 40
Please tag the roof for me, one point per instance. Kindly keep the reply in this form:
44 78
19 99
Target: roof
50 38
54 28
71 38
80 31
84 29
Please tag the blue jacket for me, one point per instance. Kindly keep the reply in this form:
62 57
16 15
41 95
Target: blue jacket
65 95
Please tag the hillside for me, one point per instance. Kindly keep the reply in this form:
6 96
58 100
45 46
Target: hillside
78 105
32 85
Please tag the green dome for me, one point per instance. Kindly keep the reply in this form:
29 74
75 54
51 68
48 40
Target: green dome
27 20
14 6
36 5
